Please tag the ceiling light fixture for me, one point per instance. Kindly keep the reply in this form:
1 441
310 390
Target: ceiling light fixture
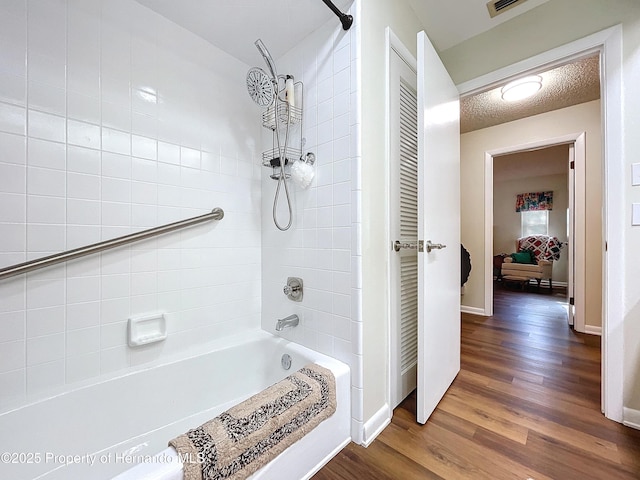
521 88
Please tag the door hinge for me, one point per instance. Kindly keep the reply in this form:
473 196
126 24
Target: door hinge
571 301
572 165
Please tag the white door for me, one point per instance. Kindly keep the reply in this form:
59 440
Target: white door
403 220
438 222
571 245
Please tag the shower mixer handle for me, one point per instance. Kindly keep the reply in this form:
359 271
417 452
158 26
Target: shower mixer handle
293 289
289 290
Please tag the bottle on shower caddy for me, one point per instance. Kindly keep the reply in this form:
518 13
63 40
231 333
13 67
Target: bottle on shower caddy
289 91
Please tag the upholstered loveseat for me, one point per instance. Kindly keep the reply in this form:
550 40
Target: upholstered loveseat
533 260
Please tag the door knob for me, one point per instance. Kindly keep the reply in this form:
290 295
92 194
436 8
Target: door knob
434 246
397 246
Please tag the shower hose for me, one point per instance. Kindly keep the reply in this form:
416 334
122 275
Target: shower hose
282 179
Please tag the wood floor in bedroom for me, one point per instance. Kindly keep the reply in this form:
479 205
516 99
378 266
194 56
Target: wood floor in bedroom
525 405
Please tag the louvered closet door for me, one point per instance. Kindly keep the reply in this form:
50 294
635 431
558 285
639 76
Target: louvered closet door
403 228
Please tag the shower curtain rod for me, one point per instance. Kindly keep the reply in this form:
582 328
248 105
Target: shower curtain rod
346 20
215 214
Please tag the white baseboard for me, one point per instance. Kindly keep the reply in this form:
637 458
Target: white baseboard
631 417
591 330
473 310
374 426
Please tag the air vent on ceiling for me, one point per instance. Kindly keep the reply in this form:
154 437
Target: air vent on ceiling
497 7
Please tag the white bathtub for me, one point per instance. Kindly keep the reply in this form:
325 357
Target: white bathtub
117 426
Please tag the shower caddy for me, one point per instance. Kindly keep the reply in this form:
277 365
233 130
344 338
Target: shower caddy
283 111
289 115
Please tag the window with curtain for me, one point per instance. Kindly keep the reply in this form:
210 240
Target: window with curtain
534 222
534 212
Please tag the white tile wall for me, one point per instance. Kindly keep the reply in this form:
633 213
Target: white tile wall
114 120
322 246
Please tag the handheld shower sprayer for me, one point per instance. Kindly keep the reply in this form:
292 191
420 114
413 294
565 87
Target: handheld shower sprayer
267 58
264 91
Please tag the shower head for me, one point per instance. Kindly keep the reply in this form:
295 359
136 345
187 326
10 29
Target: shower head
267 58
260 87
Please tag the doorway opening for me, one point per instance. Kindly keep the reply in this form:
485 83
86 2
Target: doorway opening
523 177
608 44
583 240
534 233
531 202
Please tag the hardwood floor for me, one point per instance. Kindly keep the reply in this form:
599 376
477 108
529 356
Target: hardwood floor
525 405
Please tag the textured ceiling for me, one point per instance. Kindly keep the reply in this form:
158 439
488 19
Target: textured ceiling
562 87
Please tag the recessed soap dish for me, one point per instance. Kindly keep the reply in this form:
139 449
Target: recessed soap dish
145 329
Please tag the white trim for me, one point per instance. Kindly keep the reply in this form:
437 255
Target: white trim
393 46
577 139
548 142
546 59
592 330
375 425
356 431
610 41
390 37
474 311
614 267
393 42
488 234
631 417
571 248
580 233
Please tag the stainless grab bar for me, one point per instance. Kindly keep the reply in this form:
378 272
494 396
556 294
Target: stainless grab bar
13 270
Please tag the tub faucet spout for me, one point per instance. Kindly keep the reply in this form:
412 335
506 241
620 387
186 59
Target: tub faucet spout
290 321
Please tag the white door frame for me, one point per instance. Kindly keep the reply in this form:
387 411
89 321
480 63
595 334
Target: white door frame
578 140
571 250
393 44
609 42
401 71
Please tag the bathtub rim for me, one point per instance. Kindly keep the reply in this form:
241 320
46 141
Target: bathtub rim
342 374
215 345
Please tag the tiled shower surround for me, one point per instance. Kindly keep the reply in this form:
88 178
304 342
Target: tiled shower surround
323 245
113 120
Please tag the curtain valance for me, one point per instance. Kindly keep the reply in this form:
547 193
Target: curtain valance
534 201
